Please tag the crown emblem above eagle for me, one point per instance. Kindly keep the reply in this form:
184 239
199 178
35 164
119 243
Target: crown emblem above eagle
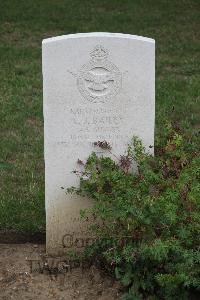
99 79
99 53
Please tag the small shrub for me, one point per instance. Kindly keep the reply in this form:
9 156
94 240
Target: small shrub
147 223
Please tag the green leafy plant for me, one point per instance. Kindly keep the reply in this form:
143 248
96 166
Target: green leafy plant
147 222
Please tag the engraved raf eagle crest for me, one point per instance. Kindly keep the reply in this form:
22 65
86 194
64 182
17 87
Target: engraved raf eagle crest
99 80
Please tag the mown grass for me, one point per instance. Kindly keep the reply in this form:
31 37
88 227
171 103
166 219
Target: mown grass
23 25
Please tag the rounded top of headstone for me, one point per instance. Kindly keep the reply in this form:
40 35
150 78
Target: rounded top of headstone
98 34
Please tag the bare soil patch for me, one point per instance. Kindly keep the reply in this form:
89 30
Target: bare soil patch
19 282
14 237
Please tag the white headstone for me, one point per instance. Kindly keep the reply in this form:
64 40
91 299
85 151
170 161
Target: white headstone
96 86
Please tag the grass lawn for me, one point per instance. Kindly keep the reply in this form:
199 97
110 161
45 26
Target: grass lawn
23 25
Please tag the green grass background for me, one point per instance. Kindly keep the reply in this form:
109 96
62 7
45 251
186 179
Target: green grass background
24 23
